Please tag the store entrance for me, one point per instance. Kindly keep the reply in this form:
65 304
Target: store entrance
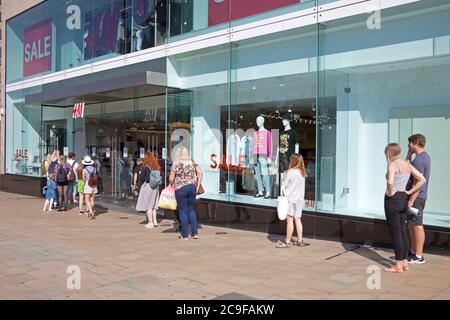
117 137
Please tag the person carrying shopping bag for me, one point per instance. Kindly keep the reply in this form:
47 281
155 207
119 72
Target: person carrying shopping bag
293 187
186 177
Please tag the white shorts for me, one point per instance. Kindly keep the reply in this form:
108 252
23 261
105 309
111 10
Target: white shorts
295 209
89 190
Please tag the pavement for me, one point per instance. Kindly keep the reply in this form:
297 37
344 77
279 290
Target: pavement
66 256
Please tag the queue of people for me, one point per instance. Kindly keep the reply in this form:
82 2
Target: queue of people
67 178
404 202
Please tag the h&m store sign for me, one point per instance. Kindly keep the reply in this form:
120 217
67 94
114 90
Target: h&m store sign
38 43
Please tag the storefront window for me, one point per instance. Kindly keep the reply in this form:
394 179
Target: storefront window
189 18
58 35
272 115
232 92
23 138
383 86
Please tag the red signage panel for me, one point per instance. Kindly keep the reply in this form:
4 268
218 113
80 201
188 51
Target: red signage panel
220 11
78 110
37 48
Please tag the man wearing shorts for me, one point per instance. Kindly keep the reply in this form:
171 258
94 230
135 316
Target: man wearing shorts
422 162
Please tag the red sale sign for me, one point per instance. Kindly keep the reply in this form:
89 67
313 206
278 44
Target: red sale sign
220 11
37 48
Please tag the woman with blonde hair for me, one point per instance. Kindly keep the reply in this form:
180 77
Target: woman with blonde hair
396 203
293 187
186 176
61 172
150 180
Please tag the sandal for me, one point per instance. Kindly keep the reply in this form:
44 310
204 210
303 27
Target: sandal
393 269
284 244
91 216
302 244
405 267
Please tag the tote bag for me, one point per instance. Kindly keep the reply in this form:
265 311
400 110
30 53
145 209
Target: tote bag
283 204
167 199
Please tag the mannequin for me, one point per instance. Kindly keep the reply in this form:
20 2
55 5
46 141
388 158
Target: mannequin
262 151
289 144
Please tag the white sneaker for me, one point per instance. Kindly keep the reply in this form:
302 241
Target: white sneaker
149 225
75 201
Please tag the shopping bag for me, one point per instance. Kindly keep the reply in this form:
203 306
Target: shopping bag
283 203
167 199
283 207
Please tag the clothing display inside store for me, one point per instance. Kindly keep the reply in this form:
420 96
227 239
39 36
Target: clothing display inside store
255 157
121 28
289 144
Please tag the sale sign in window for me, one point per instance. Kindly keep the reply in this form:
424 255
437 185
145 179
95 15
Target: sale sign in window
221 11
37 48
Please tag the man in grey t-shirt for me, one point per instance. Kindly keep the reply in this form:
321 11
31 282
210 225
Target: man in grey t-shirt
422 162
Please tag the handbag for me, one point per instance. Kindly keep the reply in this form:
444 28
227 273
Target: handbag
167 199
200 188
283 204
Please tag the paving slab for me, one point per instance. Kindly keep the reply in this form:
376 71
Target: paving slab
119 259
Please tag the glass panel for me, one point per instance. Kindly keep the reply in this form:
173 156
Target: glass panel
23 136
389 83
253 10
58 35
201 82
179 128
272 115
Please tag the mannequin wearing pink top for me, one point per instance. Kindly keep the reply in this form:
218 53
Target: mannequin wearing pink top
262 150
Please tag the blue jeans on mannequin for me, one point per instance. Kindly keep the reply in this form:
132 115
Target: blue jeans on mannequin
185 197
262 170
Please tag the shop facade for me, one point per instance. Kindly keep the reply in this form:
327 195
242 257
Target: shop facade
243 86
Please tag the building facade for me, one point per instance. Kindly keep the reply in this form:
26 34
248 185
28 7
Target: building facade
114 78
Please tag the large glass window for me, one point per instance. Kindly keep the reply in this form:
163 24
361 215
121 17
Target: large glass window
379 86
58 35
269 79
189 18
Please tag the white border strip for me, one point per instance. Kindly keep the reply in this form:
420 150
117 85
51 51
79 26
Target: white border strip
292 20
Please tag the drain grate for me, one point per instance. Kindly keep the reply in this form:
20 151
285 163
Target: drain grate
221 233
123 218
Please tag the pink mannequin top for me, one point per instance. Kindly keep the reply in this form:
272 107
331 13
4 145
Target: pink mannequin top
262 143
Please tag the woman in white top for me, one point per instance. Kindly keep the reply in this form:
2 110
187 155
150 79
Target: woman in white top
294 189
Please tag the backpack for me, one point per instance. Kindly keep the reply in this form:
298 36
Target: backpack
51 167
93 178
61 175
71 175
155 179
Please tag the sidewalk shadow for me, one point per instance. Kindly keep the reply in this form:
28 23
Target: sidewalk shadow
274 238
100 210
368 253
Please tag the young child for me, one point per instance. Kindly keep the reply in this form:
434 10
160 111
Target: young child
50 194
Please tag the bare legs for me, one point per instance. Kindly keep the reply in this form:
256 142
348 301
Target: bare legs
151 215
48 205
89 206
290 228
417 235
80 203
